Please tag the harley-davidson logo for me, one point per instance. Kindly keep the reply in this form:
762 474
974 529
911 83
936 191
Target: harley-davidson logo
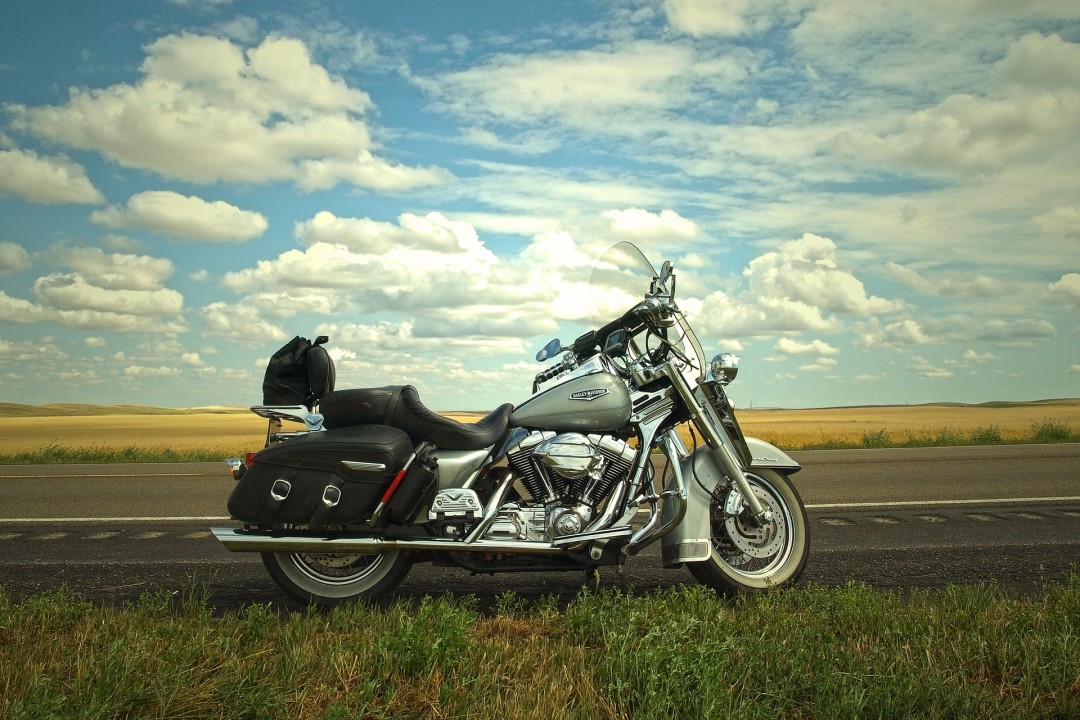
589 394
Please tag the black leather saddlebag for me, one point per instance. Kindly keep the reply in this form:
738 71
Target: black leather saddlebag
334 477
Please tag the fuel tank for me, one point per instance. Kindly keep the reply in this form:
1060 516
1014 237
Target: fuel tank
598 402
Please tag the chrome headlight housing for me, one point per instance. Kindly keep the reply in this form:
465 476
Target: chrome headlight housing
724 367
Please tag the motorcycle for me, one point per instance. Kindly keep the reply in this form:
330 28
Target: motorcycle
587 472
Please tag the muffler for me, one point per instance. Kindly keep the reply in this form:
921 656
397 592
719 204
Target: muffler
240 540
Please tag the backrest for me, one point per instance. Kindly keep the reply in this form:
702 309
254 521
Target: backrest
320 371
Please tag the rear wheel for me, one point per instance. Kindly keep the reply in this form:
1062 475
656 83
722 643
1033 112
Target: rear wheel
746 556
328 579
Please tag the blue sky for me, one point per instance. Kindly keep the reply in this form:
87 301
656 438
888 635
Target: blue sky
871 203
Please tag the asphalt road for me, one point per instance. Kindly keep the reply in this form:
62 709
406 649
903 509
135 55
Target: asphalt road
897 519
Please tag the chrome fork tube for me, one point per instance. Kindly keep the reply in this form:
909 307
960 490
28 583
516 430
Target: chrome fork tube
719 442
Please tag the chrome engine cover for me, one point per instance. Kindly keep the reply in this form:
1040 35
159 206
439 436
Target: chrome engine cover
568 476
570 455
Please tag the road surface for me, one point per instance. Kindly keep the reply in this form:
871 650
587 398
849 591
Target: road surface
898 519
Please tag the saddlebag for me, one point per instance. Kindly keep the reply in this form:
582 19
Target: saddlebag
334 477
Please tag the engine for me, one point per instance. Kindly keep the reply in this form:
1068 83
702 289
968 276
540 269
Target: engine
568 477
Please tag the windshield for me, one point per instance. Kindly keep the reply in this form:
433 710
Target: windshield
622 278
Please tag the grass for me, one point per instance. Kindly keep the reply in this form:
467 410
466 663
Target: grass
120 434
851 652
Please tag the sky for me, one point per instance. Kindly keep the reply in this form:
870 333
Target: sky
870 203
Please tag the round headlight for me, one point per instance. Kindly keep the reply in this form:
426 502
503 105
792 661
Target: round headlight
724 368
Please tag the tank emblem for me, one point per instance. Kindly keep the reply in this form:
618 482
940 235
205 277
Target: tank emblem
589 394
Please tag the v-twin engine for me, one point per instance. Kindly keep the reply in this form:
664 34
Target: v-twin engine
567 476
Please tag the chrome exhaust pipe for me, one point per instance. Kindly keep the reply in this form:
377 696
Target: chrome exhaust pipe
239 540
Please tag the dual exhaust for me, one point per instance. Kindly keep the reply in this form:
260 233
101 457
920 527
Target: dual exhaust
239 540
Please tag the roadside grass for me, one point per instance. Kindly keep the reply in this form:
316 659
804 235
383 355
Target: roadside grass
1045 431
809 652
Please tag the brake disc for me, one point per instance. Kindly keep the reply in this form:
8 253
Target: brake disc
748 536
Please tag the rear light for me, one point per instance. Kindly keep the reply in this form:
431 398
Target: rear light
238 467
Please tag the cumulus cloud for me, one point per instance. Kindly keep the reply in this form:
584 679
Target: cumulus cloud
116 271
183 216
613 86
724 18
1067 289
49 180
1061 222
949 284
984 133
104 291
795 347
71 292
13 257
1022 332
807 271
432 232
638 225
206 109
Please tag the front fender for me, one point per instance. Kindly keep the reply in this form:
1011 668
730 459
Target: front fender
769 456
702 471
689 540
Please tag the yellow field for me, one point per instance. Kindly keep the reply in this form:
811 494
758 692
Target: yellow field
239 431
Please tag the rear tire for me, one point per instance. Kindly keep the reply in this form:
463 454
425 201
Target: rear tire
745 558
328 579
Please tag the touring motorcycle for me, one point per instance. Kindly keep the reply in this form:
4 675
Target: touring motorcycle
628 439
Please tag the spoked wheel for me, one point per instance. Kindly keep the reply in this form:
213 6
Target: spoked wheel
328 579
747 556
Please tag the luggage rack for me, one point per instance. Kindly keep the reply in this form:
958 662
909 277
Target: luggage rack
276 414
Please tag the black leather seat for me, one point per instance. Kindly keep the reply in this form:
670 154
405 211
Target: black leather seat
399 406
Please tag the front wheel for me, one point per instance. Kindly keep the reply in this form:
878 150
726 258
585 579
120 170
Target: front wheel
746 556
328 579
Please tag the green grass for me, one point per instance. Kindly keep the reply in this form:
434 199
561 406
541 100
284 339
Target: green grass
1046 431
852 652
56 453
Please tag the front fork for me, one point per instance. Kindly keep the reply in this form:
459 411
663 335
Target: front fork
705 419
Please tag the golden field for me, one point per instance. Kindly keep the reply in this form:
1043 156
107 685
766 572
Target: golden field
235 430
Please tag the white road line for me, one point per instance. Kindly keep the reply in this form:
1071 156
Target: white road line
819 506
932 503
196 518
69 476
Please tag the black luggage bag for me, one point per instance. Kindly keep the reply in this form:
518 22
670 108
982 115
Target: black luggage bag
333 477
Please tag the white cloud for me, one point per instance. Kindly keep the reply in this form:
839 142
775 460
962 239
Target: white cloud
183 216
1023 332
48 180
1067 289
807 271
614 88
95 342
985 132
242 322
795 347
207 110
949 284
154 372
363 235
71 292
1063 222
13 257
18 310
116 271
638 225
723 18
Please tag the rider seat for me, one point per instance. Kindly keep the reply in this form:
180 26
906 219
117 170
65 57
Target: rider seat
400 406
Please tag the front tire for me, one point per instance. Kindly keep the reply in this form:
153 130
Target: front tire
746 558
328 579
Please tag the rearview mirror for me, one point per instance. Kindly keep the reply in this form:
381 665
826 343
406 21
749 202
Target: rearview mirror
549 351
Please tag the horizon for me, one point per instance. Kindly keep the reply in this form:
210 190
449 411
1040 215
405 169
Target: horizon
871 205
